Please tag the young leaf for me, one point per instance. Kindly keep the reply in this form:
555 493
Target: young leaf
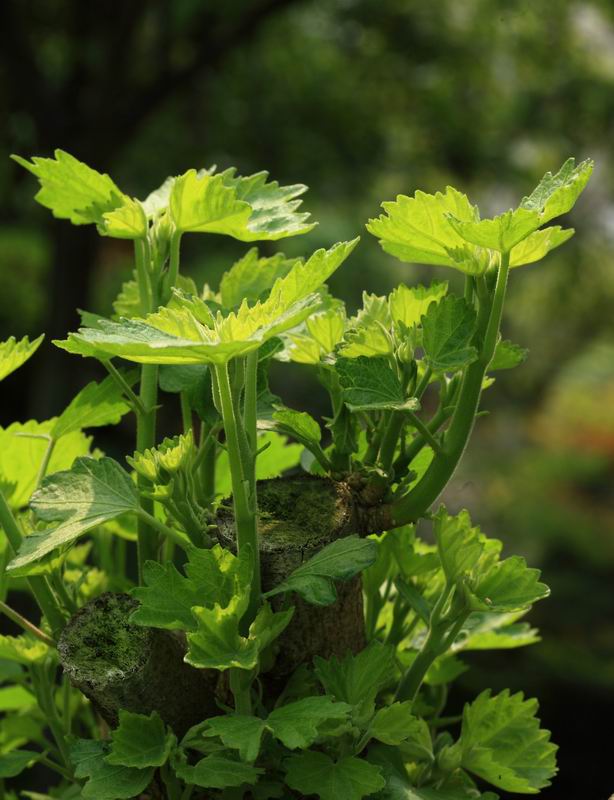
96 405
368 340
251 277
14 762
357 679
349 778
14 353
507 356
79 499
448 328
409 304
239 732
72 190
247 208
370 384
417 230
140 741
459 544
128 221
502 743
296 724
492 631
340 560
23 649
538 245
299 424
508 586
395 723
105 781
218 772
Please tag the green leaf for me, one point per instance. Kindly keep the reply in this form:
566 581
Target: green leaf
409 304
491 631
22 449
159 464
140 741
106 781
417 229
217 772
250 277
187 333
502 743
16 698
507 356
96 405
247 208
299 424
557 194
72 190
538 245
368 340
508 585
448 328
349 778
296 724
322 333
14 763
395 723
166 600
128 221
370 384
14 353
218 644
276 458
23 649
239 732
79 499
358 679
459 545
340 560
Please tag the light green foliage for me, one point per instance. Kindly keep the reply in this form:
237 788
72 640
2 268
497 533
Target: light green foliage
140 741
409 304
501 742
187 333
395 723
538 245
448 329
23 649
96 405
14 762
319 336
14 353
340 560
459 545
316 773
507 356
72 190
299 424
251 276
490 631
128 221
507 586
106 781
218 772
371 384
167 597
159 464
79 499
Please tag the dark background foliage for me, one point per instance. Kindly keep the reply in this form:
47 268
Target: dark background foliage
362 100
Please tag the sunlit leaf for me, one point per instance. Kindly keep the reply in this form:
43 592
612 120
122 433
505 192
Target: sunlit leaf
14 353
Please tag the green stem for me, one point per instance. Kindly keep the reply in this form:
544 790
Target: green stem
424 431
173 268
38 584
125 386
418 501
243 479
170 533
147 546
243 701
424 382
25 624
249 399
55 767
44 466
186 412
390 439
44 693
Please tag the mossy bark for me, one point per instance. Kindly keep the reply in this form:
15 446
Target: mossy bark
119 665
297 518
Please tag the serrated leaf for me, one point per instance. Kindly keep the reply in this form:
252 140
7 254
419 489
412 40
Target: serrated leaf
14 763
14 353
214 576
538 245
348 778
217 772
23 649
299 424
507 356
459 545
409 304
22 449
128 221
296 724
358 679
371 384
492 631
417 230
368 340
158 464
340 560
251 276
395 723
79 499
448 328
239 732
72 190
96 405
140 741
246 208
502 743
106 781
508 585
187 333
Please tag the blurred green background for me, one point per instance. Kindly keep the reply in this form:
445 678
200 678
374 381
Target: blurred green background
362 100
